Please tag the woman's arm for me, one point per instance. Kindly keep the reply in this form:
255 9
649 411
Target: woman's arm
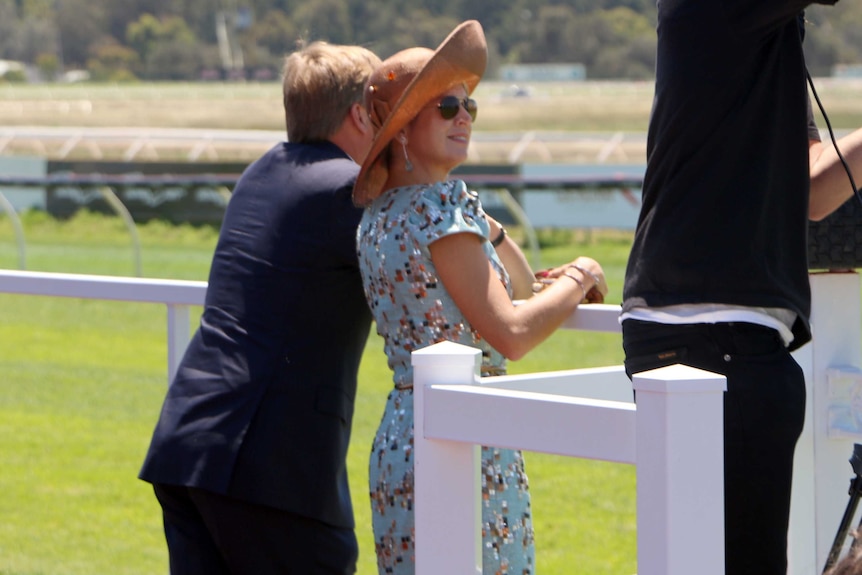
514 260
512 330
830 186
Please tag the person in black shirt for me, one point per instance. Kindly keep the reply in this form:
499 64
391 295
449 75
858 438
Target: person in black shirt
717 277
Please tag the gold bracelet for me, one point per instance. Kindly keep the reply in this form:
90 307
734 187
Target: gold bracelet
580 284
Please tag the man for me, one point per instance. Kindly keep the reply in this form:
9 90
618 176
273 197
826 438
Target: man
717 277
248 459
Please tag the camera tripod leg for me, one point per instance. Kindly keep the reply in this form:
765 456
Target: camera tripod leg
855 493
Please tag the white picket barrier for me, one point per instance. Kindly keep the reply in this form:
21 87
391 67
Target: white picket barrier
821 471
674 437
589 413
177 295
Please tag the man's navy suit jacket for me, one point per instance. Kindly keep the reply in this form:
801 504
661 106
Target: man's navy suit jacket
262 403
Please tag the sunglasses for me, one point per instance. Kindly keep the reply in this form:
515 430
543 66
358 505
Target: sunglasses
449 106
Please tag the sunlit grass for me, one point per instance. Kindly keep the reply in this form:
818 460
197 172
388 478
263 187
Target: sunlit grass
81 385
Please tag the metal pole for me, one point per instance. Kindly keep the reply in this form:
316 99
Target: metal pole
112 199
19 231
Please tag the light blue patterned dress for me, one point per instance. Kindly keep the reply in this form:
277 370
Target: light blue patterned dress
412 310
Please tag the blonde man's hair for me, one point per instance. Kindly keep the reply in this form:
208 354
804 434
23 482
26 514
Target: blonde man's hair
321 82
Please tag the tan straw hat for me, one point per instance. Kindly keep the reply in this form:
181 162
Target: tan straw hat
404 84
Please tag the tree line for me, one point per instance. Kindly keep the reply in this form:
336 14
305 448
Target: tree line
128 40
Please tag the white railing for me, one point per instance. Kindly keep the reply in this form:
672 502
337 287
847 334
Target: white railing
674 437
588 413
177 295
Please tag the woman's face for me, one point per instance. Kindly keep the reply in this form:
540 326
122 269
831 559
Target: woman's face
437 144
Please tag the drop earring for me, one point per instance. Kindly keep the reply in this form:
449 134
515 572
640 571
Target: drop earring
408 165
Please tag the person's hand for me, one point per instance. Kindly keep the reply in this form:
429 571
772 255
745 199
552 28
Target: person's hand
587 267
591 268
546 277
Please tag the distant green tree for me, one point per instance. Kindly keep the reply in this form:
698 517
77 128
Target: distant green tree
80 23
14 77
551 40
167 48
112 62
833 36
199 15
143 34
48 65
416 27
9 23
613 38
374 32
627 48
324 20
37 9
29 38
175 59
275 33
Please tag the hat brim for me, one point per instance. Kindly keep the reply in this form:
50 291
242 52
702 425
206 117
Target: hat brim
460 59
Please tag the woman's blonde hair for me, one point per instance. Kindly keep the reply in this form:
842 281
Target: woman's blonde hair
321 82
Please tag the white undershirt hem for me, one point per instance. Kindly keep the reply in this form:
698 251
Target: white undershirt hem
779 319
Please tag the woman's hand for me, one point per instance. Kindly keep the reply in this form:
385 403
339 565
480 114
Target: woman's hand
587 271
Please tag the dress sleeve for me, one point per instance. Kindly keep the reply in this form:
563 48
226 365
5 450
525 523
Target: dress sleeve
813 130
447 208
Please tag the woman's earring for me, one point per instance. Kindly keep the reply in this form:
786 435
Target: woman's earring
408 165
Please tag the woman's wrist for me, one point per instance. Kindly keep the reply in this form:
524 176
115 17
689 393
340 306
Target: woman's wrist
580 283
586 273
498 239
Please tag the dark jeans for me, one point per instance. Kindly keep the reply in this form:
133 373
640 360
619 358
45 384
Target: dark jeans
210 534
764 410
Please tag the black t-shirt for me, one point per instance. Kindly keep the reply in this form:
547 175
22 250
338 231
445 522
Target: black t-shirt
725 198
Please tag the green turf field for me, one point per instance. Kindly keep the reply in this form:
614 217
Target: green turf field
81 384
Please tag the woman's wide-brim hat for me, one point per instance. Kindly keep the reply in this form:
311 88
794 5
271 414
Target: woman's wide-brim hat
404 84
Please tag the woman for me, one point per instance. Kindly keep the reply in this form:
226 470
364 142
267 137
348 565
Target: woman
434 268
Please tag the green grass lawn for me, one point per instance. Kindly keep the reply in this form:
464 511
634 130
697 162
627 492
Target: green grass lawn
81 384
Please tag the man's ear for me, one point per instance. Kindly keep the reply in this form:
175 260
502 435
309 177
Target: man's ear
360 118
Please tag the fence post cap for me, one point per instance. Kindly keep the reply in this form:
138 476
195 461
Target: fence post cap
679 378
452 352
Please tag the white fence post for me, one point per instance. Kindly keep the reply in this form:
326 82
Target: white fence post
179 327
678 430
680 471
448 537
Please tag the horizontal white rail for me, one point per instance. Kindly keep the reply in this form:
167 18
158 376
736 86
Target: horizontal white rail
177 295
176 292
595 317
